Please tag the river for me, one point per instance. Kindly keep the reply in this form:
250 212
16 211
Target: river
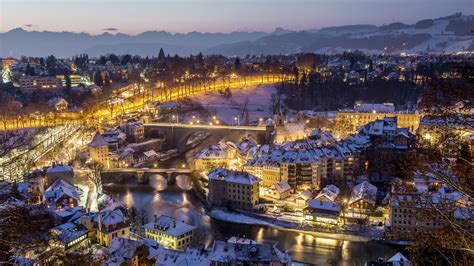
187 207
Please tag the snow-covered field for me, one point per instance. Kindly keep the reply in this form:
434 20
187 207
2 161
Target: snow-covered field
258 99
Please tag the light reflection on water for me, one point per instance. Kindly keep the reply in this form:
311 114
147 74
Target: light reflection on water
186 207
158 182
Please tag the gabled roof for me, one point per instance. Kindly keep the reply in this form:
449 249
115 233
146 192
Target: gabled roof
398 257
60 188
169 226
111 217
282 186
365 191
330 192
98 141
121 250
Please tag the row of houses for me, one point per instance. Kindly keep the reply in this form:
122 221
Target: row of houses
234 251
309 162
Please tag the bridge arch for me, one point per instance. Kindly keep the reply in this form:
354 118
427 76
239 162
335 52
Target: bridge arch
177 135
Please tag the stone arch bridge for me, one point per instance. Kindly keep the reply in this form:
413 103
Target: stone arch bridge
178 134
142 175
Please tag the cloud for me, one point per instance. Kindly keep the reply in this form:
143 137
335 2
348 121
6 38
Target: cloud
30 25
110 29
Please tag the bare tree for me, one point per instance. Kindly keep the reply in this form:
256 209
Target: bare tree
12 139
452 241
94 175
23 229
343 126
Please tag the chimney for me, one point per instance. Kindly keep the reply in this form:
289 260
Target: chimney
174 224
156 217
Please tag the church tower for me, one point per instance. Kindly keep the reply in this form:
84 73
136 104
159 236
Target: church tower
278 117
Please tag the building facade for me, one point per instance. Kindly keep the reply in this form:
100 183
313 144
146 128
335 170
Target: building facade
366 113
99 150
31 83
170 232
109 225
235 189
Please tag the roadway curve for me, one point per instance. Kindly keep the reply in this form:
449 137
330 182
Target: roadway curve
133 104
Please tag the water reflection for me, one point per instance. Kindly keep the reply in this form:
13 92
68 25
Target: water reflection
303 247
158 182
184 182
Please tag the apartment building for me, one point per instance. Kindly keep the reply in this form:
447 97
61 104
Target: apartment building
235 189
31 83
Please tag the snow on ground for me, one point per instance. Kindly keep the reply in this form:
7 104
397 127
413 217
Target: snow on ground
84 194
236 218
231 217
258 99
94 206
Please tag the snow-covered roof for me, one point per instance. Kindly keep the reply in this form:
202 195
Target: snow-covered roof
126 152
68 232
377 107
113 217
241 240
150 153
453 120
120 251
98 141
68 212
233 176
169 226
330 192
365 191
217 151
59 168
282 187
306 194
247 253
324 205
59 188
399 258
191 256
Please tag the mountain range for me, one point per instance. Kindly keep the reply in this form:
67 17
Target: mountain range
445 34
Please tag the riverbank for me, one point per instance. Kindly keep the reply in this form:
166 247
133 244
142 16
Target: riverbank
241 218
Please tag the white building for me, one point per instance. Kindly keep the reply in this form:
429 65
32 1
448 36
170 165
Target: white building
170 232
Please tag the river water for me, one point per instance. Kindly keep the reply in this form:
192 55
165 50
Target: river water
185 206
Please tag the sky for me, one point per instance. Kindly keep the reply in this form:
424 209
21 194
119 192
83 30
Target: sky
136 16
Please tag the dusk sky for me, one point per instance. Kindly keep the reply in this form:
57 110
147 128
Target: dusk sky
135 16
